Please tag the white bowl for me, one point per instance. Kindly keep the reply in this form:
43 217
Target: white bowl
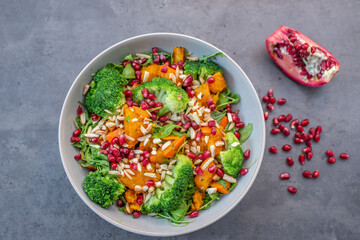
250 112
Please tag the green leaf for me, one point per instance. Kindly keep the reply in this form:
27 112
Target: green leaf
118 67
129 72
245 132
128 57
148 62
211 57
128 119
225 98
179 213
93 157
222 183
165 130
216 115
232 186
209 198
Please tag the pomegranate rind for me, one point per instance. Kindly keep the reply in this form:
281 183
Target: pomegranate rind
286 62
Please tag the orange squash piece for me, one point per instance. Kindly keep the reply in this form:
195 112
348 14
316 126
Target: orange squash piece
171 150
131 197
178 54
159 157
224 122
219 85
113 134
203 181
198 200
215 97
204 92
132 129
154 70
206 130
220 188
170 137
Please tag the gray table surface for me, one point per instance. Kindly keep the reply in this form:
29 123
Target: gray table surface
45 44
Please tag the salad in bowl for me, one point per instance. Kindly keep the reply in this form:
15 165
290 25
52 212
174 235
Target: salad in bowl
159 135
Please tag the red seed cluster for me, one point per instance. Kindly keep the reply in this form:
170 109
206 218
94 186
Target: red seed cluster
284 123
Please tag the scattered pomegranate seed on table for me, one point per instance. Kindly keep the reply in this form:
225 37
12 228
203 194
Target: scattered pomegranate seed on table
307 174
344 156
316 174
286 147
284 176
273 149
292 189
289 161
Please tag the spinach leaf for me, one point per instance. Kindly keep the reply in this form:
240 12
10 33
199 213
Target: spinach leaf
129 72
217 115
245 132
93 157
209 198
164 131
222 183
148 62
118 67
128 57
225 98
211 57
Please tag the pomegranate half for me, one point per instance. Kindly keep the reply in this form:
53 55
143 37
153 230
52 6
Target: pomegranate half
301 58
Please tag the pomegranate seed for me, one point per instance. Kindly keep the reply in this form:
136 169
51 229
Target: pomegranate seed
294 123
95 117
266 115
154 50
246 154
129 103
292 189
330 153
79 110
309 156
272 100
344 156
194 214
138 75
316 174
146 154
94 140
306 150
152 96
318 130
131 154
145 162
308 143
206 154
298 140
188 81
164 69
237 134
162 58
191 155
235 118
113 165
270 92
286 147
145 92
77 132
128 93
192 93
214 131
150 183
265 99
212 123
115 140
275 121
220 172
136 66
164 118
134 81
284 176
194 125
289 161
244 171
299 128
210 80
157 60
212 169
105 145
198 136
105 152
313 49
331 160
281 127
139 200
307 174
187 125
317 138
273 149
286 131
288 117
173 66
281 118
181 64
302 158
111 158
144 105
75 139
136 214
122 140
275 131
198 171
270 107
120 203
212 107
78 156
200 156
305 122
312 131
133 166
126 63
281 101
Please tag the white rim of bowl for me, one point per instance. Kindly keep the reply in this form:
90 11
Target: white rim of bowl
147 233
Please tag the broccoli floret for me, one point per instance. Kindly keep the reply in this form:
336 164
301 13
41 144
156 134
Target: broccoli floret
102 188
208 69
202 69
172 194
232 157
106 92
192 68
173 98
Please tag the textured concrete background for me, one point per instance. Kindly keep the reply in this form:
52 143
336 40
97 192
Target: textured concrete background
45 44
